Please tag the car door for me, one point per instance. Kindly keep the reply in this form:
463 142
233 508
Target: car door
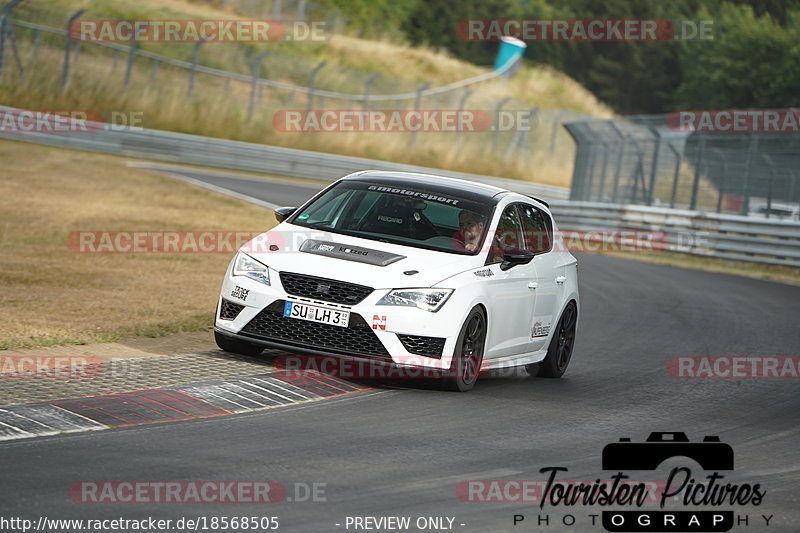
512 296
538 232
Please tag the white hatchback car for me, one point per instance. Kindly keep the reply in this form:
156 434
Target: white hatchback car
410 270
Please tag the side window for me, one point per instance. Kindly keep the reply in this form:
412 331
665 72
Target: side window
537 228
508 235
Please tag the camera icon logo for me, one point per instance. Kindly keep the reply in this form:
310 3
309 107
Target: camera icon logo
710 454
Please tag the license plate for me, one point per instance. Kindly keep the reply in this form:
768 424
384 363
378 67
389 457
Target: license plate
313 313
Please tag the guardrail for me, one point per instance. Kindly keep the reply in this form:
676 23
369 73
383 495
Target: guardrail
730 237
236 155
704 234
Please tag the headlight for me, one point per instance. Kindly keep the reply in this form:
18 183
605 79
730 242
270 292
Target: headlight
244 265
427 299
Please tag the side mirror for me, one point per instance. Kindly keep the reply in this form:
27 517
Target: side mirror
514 257
282 213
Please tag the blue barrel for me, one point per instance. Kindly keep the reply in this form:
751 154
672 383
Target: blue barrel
510 49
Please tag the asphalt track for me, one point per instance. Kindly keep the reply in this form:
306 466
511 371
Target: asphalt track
403 451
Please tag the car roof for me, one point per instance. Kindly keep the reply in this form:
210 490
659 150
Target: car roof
443 184
463 188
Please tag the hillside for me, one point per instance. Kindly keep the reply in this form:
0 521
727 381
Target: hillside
220 110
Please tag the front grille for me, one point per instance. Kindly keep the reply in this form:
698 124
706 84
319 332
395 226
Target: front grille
357 339
328 290
229 310
428 346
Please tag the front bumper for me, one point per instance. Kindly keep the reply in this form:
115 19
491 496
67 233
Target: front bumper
401 336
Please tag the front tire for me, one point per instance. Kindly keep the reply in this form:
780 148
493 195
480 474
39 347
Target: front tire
559 352
236 346
468 356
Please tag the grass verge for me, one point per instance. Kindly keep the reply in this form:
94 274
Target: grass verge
52 295
711 264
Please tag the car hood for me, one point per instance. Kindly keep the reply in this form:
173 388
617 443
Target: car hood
380 265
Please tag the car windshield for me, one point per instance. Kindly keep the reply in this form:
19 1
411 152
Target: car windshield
422 216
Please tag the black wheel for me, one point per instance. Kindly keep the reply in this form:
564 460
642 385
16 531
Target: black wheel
236 346
471 342
560 350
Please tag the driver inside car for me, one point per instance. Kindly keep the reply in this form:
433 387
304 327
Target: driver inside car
468 236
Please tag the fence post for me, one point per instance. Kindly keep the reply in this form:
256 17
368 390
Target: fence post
276 10
367 85
256 68
461 103
17 59
697 165
37 37
4 31
677 175
523 139
131 57
752 149
638 172
721 192
654 166
602 187
417 107
496 132
3 22
519 137
623 139
556 124
312 80
771 164
195 53
67 49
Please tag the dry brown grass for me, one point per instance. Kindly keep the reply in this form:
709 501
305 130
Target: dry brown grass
52 295
96 85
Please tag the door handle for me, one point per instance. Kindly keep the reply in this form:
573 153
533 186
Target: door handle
532 285
561 279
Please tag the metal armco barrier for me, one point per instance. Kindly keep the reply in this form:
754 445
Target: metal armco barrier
236 155
733 237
